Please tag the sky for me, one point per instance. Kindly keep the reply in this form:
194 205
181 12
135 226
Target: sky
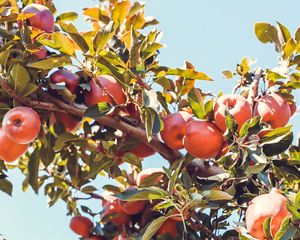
214 35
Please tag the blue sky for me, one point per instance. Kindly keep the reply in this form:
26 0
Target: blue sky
214 35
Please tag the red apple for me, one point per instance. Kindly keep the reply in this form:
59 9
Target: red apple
9 150
21 124
43 18
203 139
168 227
69 122
175 128
273 110
237 106
70 79
81 225
108 91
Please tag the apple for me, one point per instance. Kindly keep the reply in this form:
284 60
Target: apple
41 53
108 91
114 213
273 109
95 238
263 206
70 79
149 173
43 18
10 151
21 124
168 227
141 150
238 107
203 139
175 128
69 122
81 225
132 207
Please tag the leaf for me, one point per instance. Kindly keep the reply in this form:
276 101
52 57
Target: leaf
267 227
20 77
63 43
289 48
63 139
231 123
186 73
150 99
4 57
136 6
33 171
228 74
52 62
152 122
251 126
266 33
6 186
153 227
103 36
29 89
286 231
80 41
283 32
196 102
88 189
294 210
99 110
120 11
150 193
216 195
68 16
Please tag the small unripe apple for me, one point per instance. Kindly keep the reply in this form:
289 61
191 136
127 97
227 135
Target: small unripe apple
261 207
273 109
203 139
81 225
237 106
108 91
70 79
21 124
9 150
43 18
175 128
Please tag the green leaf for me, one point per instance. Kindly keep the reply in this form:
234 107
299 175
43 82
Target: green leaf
80 41
267 227
150 99
63 139
120 11
63 43
150 193
283 32
196 102
4 57
68 16
286 231
88 189
20 77
6 186
152 122
228 74
216 195
52 62
103 36
231 124
153 227
289 48
266 33
294 210
251 126
186 73
29 89
33 171
132 159
99 110
136 6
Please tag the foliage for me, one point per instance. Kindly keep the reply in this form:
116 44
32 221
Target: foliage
64 164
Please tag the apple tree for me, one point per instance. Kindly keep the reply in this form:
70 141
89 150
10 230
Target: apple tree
80 106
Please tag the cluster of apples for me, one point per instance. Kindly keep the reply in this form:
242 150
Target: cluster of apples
20 127
119 212
204 139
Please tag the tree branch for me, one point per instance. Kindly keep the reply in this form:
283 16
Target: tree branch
254 87
114 122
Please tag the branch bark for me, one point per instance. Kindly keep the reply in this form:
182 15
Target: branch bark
254 87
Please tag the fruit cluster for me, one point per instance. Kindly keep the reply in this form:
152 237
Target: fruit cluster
120 212
204 139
